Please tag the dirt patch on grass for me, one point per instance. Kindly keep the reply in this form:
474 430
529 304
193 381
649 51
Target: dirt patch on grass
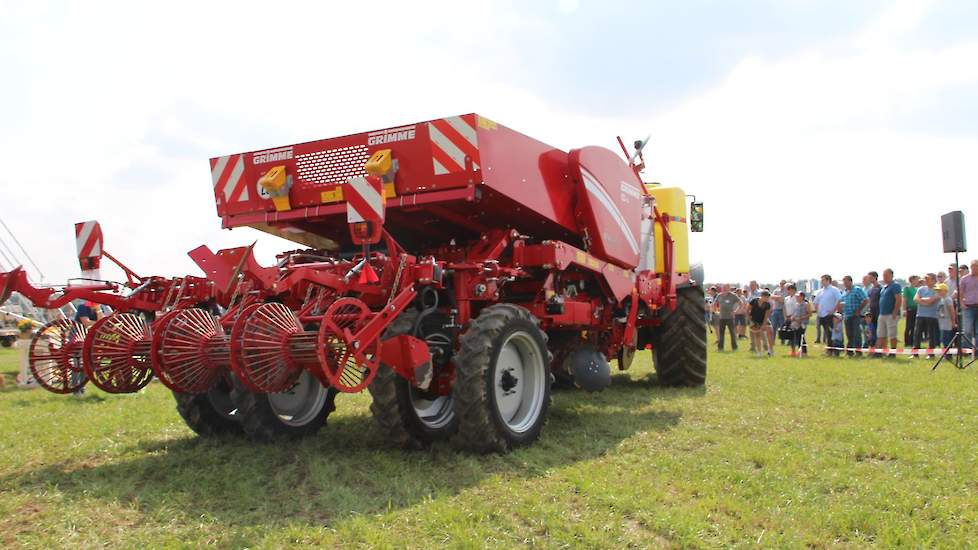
874 456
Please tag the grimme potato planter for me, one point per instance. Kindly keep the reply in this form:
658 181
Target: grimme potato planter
455 269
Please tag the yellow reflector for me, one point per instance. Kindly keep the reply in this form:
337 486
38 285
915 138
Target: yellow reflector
380 163
274 179
333 195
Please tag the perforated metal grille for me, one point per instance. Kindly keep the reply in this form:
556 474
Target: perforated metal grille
333 165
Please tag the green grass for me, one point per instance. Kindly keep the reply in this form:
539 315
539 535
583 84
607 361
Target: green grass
775 452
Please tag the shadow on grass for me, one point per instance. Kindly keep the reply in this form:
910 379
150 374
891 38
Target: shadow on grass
70 400
344 471
653 387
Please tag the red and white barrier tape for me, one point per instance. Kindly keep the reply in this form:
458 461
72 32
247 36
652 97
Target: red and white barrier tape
906 351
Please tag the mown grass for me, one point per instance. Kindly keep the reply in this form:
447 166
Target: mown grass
775 453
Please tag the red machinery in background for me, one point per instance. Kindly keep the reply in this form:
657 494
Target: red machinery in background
455 268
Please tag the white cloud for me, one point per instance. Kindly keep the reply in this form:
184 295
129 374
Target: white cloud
804 168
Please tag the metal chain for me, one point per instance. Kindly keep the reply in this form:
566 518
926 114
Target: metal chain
183 287
237 289
169 292
397 278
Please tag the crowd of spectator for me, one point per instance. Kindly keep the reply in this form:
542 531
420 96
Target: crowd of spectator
849 316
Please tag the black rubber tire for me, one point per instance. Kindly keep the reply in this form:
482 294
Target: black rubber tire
679 343
480 428
7 341
261 424
392 406
200 412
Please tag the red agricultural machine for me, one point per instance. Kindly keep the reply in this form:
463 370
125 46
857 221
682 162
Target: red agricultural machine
454 268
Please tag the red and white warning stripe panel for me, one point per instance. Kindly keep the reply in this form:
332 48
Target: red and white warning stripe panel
227 173
452 140
88 239
364 199
906 351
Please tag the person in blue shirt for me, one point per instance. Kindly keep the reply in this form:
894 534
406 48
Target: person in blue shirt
86 314
927 304
891 297
854 299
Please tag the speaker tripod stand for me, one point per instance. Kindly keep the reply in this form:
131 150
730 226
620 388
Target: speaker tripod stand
959 337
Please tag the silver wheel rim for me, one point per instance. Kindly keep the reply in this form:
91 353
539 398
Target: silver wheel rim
220 399
300 404
432 413
222 404
519 382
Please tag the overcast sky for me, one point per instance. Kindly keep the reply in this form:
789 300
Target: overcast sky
823 136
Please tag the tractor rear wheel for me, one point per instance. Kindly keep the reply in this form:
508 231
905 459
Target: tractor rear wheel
679 343
502 381
300 411
409 417
209 414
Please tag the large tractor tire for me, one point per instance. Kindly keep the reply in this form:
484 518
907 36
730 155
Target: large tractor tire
679 343
300 411
409 417
502 381
209 414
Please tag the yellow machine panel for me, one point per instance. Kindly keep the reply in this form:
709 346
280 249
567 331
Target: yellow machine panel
672 201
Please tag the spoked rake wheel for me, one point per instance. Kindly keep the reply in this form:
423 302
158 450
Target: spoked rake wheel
116 353
55 356
349 365
190 351
271 348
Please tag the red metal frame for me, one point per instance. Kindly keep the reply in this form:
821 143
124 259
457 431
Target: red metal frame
502 222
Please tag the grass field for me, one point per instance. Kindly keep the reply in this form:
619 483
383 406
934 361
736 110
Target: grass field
775 452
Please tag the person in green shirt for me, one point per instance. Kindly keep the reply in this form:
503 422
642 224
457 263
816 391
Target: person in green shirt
910 305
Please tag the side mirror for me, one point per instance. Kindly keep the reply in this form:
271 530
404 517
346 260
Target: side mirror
696 217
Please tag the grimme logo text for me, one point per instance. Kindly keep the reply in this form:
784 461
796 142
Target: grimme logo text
273 155
389 136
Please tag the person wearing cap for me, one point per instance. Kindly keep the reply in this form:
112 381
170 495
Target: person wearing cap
927 309
947 318
968 292
952 279
888 311
86 314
